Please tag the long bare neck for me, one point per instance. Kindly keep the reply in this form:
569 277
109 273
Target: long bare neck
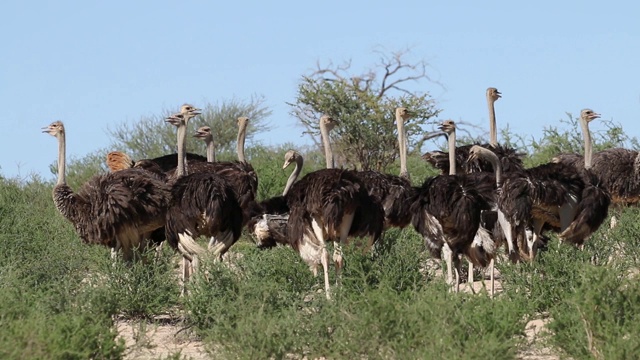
492 158
328 154
181 169
452 153
211 153
62 146
588 147
294 175
242 135
402 144
493 132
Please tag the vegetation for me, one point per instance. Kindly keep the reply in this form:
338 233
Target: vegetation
364 105
59 298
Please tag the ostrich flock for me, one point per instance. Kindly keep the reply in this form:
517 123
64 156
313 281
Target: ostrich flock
484 198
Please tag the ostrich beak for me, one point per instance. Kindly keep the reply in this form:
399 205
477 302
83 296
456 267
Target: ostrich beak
433 134
594 116
499 94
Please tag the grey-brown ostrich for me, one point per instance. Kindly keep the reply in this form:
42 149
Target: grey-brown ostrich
118 210
510 158
448 210
570 201
394 192
202 204
617 170
118 160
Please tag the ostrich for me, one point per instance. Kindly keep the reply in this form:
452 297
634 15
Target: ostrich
271 228
117 210
323 207
378 186
240 174
394 192
554 194
448 210
202 203
617 170
509 157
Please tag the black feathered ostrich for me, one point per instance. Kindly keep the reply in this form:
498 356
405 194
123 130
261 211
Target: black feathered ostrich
325 206
240 174
570 201
447 210
509 157
118 210
202 203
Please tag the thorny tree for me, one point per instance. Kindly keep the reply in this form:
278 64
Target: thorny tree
364 106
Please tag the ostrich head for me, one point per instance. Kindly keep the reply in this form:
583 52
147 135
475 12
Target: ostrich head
328 122
290 157
403 113
187 112
56 129
117 160
243 121
475 151
493 94
203 132
589 115
448 126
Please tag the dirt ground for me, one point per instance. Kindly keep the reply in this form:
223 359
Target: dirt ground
168 337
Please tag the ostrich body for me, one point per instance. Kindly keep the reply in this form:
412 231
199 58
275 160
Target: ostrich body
117 160
325 206
510 159
240 174
448 210
118 210
202 203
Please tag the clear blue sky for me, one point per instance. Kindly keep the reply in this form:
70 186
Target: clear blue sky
96 64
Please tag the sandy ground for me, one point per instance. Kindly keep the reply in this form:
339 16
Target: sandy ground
167 337
161 340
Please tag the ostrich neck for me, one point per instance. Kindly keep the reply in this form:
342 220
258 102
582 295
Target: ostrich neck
327 145
588 147
294 175
493 133
452 153
402 143
62 145
211 154
242 134
492 158
181 169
